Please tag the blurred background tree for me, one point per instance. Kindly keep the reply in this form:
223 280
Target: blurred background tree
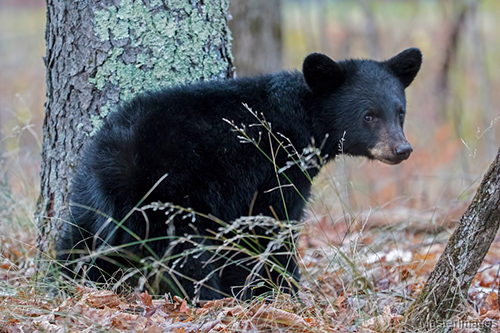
257 40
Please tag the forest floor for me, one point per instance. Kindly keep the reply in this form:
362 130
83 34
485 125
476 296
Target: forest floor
358 275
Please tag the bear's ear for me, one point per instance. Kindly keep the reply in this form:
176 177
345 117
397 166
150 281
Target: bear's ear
322 74
405 65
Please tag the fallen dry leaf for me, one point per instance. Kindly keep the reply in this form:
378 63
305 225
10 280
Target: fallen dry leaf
146 299
381 323
209 325
491 314
102 298
218 303
235 311
339 302
282 317
183 308
128 321
492 300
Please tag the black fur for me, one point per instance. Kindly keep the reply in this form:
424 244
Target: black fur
180 132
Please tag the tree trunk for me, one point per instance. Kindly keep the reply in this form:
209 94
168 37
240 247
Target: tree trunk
101 53
371 30
449 283
256 28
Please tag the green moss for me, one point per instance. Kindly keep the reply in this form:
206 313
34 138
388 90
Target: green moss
171 46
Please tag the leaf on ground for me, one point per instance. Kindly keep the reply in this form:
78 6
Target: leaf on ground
122 320
269 313
146 299
218 303
183 308
235 311
492 314
340 302
382 323
101 299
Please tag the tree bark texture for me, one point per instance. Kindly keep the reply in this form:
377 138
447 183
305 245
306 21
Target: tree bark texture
256 28
103 52
450 280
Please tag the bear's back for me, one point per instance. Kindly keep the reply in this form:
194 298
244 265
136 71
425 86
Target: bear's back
180 132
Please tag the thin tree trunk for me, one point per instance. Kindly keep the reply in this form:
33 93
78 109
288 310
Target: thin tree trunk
256 28
451 52
100 53
447 287
371 30
480 47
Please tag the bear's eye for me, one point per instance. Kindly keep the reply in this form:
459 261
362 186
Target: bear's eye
368 118
401 116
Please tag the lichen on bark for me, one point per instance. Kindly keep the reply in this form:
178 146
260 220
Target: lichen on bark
159 45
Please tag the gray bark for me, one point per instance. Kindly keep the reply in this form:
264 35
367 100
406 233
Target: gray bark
100 53
447 287
256 28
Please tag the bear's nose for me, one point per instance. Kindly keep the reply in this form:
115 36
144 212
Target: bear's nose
404 151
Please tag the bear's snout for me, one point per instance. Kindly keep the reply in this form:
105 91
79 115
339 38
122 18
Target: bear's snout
389 154
404 151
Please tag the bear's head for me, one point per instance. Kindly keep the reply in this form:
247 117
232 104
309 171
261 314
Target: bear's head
359 106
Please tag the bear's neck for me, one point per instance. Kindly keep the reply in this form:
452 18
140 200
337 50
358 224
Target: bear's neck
293 111
322 133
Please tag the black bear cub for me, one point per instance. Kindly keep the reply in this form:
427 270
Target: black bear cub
188 189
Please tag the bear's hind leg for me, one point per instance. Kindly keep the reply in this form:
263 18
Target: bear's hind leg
190 271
